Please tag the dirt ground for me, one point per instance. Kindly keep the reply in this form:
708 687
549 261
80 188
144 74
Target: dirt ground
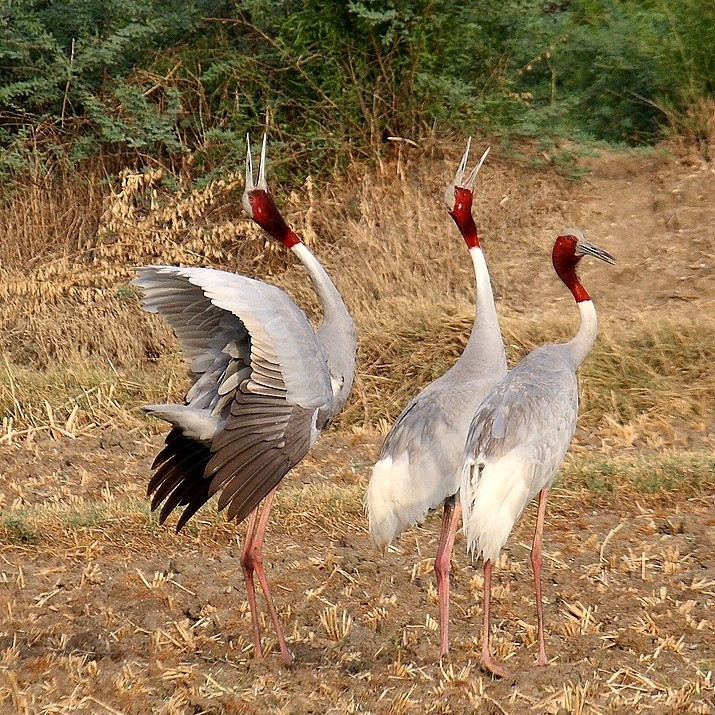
654 212
103 611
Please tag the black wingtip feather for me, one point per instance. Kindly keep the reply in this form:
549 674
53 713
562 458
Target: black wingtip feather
179 479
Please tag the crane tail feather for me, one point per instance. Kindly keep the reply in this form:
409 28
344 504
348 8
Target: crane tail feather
397 498
492 495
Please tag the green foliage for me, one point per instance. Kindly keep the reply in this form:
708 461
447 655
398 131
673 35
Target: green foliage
332 78
127 118
685 45
578 69
17 531
683 472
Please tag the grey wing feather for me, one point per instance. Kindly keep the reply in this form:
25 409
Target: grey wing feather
432 419
255 362
425 431
431 432
215 313
195 320
280 333
253 455
533 409
215 343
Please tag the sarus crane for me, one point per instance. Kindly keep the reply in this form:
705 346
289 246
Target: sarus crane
264 383
421 458
519 436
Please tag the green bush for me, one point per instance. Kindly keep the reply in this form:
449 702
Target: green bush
329 78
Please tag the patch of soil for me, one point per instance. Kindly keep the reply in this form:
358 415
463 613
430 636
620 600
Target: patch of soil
120 615
655 213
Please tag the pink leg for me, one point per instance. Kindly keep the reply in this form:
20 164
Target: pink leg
442 566
248 567
536 560
487 661
252 560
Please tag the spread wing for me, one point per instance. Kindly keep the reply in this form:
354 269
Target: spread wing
263 439
260 382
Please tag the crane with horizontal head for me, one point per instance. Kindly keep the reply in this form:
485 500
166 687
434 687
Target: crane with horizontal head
419 465
519 436
264 383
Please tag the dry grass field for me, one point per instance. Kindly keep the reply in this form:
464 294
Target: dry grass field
104 611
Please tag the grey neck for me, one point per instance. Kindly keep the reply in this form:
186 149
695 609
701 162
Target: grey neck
337 332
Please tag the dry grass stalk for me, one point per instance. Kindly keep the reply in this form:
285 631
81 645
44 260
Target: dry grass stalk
336 626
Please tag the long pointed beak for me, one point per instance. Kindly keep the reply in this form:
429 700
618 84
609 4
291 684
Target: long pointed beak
459 176
262 183
586 248
249 165
469 183
459 179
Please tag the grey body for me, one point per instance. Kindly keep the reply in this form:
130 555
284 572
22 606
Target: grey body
421 458
536 404
433 427
519 436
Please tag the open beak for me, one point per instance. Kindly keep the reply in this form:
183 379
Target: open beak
459 180
250 185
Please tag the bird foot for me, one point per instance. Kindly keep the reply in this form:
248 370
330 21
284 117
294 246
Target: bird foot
542 660
444 647
494 667
287 657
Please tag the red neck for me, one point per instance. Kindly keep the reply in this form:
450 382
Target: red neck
565 267
462 215
269 218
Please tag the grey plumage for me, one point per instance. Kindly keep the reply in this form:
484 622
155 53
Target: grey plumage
521 432
528 419
536 402
264 384
519 436
421 457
